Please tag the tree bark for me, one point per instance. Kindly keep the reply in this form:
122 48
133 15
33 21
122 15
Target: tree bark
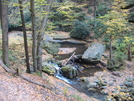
129 53
4 26
25 37
34 47
41 35
94 13
110 54
0 9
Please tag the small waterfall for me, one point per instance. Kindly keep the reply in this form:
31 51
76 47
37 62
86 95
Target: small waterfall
59 75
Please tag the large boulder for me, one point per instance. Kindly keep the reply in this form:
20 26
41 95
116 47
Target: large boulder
69 71
48 68
51 47
93 53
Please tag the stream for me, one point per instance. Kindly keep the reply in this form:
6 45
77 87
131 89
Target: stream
76 83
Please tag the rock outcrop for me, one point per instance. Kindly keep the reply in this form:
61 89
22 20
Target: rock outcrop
94 52
69 71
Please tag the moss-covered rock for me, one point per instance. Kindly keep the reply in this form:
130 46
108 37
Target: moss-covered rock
51 47
69 71
48 68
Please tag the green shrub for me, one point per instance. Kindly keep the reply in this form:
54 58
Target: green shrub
100 28
80 30
102 9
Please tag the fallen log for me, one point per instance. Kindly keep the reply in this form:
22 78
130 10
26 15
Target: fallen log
69 59
7 69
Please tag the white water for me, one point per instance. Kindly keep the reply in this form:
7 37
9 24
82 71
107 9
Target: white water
60 76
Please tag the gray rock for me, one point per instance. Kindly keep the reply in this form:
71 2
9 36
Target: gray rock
131 90
103 84
94 52
128 84
105 81
130 79
69 41
117 74
104 87
111 83
69 71
121 84
96 81
92 85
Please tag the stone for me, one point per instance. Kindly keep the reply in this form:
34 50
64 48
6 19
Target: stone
104 87
103 84
117 74
48 68
131 90
93 53
69 71
128 84
92 85
130 79
111 83
51 47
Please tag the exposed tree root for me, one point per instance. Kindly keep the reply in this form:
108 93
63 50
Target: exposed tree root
17 74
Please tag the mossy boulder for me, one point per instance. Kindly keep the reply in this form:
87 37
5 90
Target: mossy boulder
69 71
48 68
51 47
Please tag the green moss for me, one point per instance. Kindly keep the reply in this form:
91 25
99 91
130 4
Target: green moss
49 70
52 48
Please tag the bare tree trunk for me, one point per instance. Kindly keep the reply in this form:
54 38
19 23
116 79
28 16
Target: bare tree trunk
94 13
129 53
4 26
34 47
41 35
0 9
110 54
25 37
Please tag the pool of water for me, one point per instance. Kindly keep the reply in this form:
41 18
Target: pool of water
80 49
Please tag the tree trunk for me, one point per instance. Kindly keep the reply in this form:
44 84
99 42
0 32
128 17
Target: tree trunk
110 54
129 53
40 36
94 13
0 10
25 37
4 26
34 47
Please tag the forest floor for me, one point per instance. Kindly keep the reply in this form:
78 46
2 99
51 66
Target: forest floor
14 88
17 89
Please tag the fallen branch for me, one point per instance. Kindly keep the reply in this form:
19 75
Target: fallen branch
69 59
17 74
6 68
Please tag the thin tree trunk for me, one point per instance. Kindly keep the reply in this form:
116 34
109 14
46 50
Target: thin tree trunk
25 37
41 35
129 53
4 26
34 47
110 54
0 10
94 13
